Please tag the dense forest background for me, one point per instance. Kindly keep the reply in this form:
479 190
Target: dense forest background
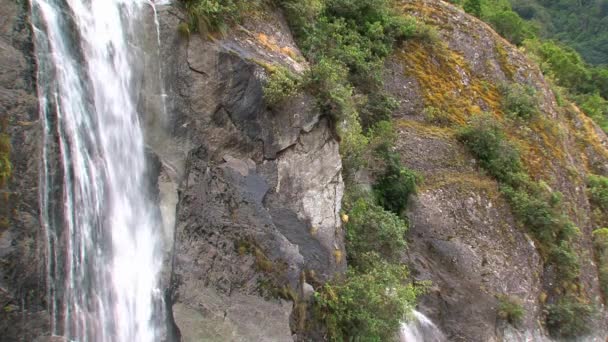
581 24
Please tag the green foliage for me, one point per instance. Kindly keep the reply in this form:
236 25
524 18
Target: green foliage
369 304
378 107
533 204
473 7
5 163
206 16
394 187
600 242
564 64
436 116
598 190
485 138
510 309
596 107
281 85
569 318
582 25
347 42
511 26
519 100
371 228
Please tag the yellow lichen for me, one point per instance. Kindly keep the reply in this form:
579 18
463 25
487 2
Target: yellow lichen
447 83
271 44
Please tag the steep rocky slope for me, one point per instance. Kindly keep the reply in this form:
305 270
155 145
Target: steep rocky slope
463 236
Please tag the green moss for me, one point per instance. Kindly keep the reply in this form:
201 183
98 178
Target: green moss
6 167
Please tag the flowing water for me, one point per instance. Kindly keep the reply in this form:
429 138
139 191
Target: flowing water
420 329
103 227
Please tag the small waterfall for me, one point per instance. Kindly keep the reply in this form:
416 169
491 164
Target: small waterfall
420 329
103 225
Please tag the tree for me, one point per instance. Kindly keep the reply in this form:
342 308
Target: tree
473 7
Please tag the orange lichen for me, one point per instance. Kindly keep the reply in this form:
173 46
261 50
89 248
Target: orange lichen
447 83
271 44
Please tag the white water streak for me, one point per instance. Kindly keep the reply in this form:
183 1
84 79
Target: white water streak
420 329
110 231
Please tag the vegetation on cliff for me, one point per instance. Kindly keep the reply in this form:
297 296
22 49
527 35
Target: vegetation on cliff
347 43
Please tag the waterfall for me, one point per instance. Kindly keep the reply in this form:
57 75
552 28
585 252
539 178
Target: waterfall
102 222
420 329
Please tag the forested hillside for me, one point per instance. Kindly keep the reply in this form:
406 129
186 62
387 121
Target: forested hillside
582 24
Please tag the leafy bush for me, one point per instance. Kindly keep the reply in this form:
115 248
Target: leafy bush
600 242
394 187
281 85
511 26
569 318
369 304
214 15
436 116
588 84
510 309
473 7
519 100
371 228
565 258
596 107
598 190
485 138
378 107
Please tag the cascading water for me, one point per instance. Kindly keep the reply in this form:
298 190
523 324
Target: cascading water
105 235
420 329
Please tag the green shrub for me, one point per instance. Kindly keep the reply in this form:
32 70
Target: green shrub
394 187
436 116
369 304
569 318
510 309
511 26
371 228
485 138
206 16
596 107
519 101
281 85
378 107
473 7
566 260
600 242
598 190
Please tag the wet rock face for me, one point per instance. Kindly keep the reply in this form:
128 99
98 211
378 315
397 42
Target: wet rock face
22 241
260 190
